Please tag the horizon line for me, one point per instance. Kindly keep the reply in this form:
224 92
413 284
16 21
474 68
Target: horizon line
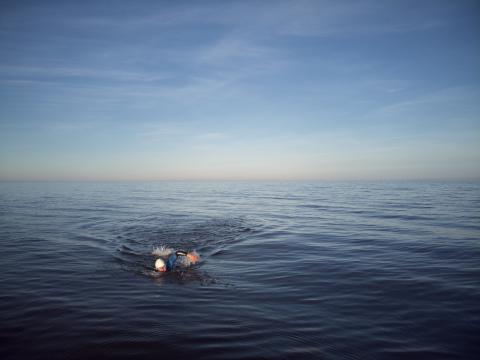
246 181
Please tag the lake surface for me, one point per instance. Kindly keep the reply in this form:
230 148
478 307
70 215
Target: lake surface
323 270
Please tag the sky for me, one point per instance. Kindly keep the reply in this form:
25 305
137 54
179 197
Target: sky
264 90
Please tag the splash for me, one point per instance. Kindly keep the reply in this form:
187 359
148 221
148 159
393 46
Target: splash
163 251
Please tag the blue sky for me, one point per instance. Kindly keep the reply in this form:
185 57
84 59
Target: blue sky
240 90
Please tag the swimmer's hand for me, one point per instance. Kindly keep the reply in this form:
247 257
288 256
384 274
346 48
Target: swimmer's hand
192 257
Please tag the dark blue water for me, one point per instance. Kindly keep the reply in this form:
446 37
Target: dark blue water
286 270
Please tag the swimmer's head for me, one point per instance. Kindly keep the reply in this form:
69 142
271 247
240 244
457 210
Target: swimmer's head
160 265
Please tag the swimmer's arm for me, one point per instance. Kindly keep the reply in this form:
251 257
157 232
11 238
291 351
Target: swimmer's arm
190 256
171 261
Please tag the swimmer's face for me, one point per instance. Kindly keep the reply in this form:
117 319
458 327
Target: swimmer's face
162 268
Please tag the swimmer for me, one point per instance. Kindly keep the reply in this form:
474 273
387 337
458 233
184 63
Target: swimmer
163 266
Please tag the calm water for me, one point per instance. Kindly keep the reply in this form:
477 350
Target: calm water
286 271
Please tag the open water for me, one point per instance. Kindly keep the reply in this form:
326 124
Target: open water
287 270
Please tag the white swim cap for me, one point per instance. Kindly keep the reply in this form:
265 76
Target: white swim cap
159 263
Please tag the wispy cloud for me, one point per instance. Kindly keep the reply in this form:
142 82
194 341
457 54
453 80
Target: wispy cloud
216 65
19 72
454 98
329 18
234 48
